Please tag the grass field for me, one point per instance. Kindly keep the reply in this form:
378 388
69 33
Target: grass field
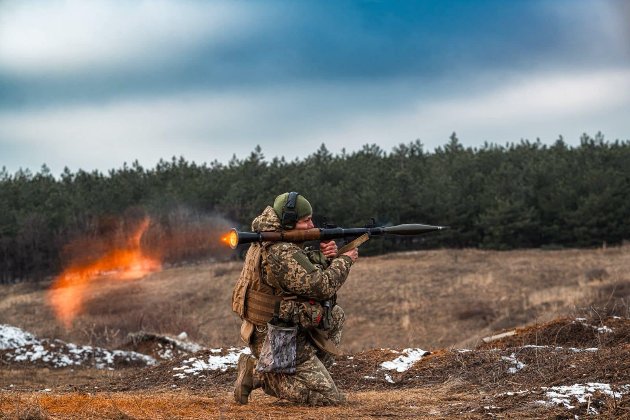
428 299
440 301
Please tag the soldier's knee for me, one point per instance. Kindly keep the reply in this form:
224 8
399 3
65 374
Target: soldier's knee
329 398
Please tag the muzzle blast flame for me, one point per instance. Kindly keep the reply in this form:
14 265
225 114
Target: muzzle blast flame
69 289
230 238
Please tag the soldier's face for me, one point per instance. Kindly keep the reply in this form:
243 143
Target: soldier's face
305 222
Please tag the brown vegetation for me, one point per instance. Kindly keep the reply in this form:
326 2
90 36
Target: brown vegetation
427 299
447 383
440 301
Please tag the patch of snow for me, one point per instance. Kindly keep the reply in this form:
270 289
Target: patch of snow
388 378
405 361
517 365
165 353
573 349
563 395
183 345
13 337
369 377
512 393
602 330
195 365
25 347
464 350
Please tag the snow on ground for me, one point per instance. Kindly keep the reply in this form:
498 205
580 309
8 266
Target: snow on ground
195 365
512 393
12 337
604 330
581 393
166 350
573 349
23 347
403 362
512 359
568 395
601 330
163 346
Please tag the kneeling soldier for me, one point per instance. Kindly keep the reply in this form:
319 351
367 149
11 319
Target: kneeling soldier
285 296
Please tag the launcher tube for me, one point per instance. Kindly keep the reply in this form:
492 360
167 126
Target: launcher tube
302 235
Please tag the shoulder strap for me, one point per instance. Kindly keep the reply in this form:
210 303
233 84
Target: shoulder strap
268 274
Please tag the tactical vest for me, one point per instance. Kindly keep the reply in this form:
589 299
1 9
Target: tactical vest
255 301
252 299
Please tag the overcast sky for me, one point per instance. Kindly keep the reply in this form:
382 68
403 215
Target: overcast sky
93 84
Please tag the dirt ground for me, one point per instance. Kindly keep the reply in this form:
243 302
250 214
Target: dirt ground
370 404
509 377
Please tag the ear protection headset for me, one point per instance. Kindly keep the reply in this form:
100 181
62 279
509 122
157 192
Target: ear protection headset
289 213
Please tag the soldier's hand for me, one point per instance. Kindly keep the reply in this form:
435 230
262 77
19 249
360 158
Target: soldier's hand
353 254
329 249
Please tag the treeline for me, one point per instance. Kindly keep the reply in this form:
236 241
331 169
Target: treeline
513 196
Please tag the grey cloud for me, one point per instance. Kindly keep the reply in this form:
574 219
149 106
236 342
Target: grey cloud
296 43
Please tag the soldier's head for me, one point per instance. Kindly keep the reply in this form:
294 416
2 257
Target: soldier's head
294 211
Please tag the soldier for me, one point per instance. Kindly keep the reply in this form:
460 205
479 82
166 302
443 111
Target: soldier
296 287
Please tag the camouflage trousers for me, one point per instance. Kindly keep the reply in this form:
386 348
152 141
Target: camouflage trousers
311 383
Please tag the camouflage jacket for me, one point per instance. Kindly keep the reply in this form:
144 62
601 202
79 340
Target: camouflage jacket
292 270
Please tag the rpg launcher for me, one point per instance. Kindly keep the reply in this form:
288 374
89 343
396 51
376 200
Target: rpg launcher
360 235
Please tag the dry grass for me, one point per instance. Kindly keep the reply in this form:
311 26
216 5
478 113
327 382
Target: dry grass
427 299
438 402
430 299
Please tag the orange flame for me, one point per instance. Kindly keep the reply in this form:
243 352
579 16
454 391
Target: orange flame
230 239
70 287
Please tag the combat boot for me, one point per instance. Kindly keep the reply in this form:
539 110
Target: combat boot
245 381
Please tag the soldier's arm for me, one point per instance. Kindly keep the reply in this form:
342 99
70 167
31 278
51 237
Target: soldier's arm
296 274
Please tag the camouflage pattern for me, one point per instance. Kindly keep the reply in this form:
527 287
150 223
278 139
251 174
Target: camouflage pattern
310 314
305 314
292 270
339 318
294 277
278 352
334 335
266 221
